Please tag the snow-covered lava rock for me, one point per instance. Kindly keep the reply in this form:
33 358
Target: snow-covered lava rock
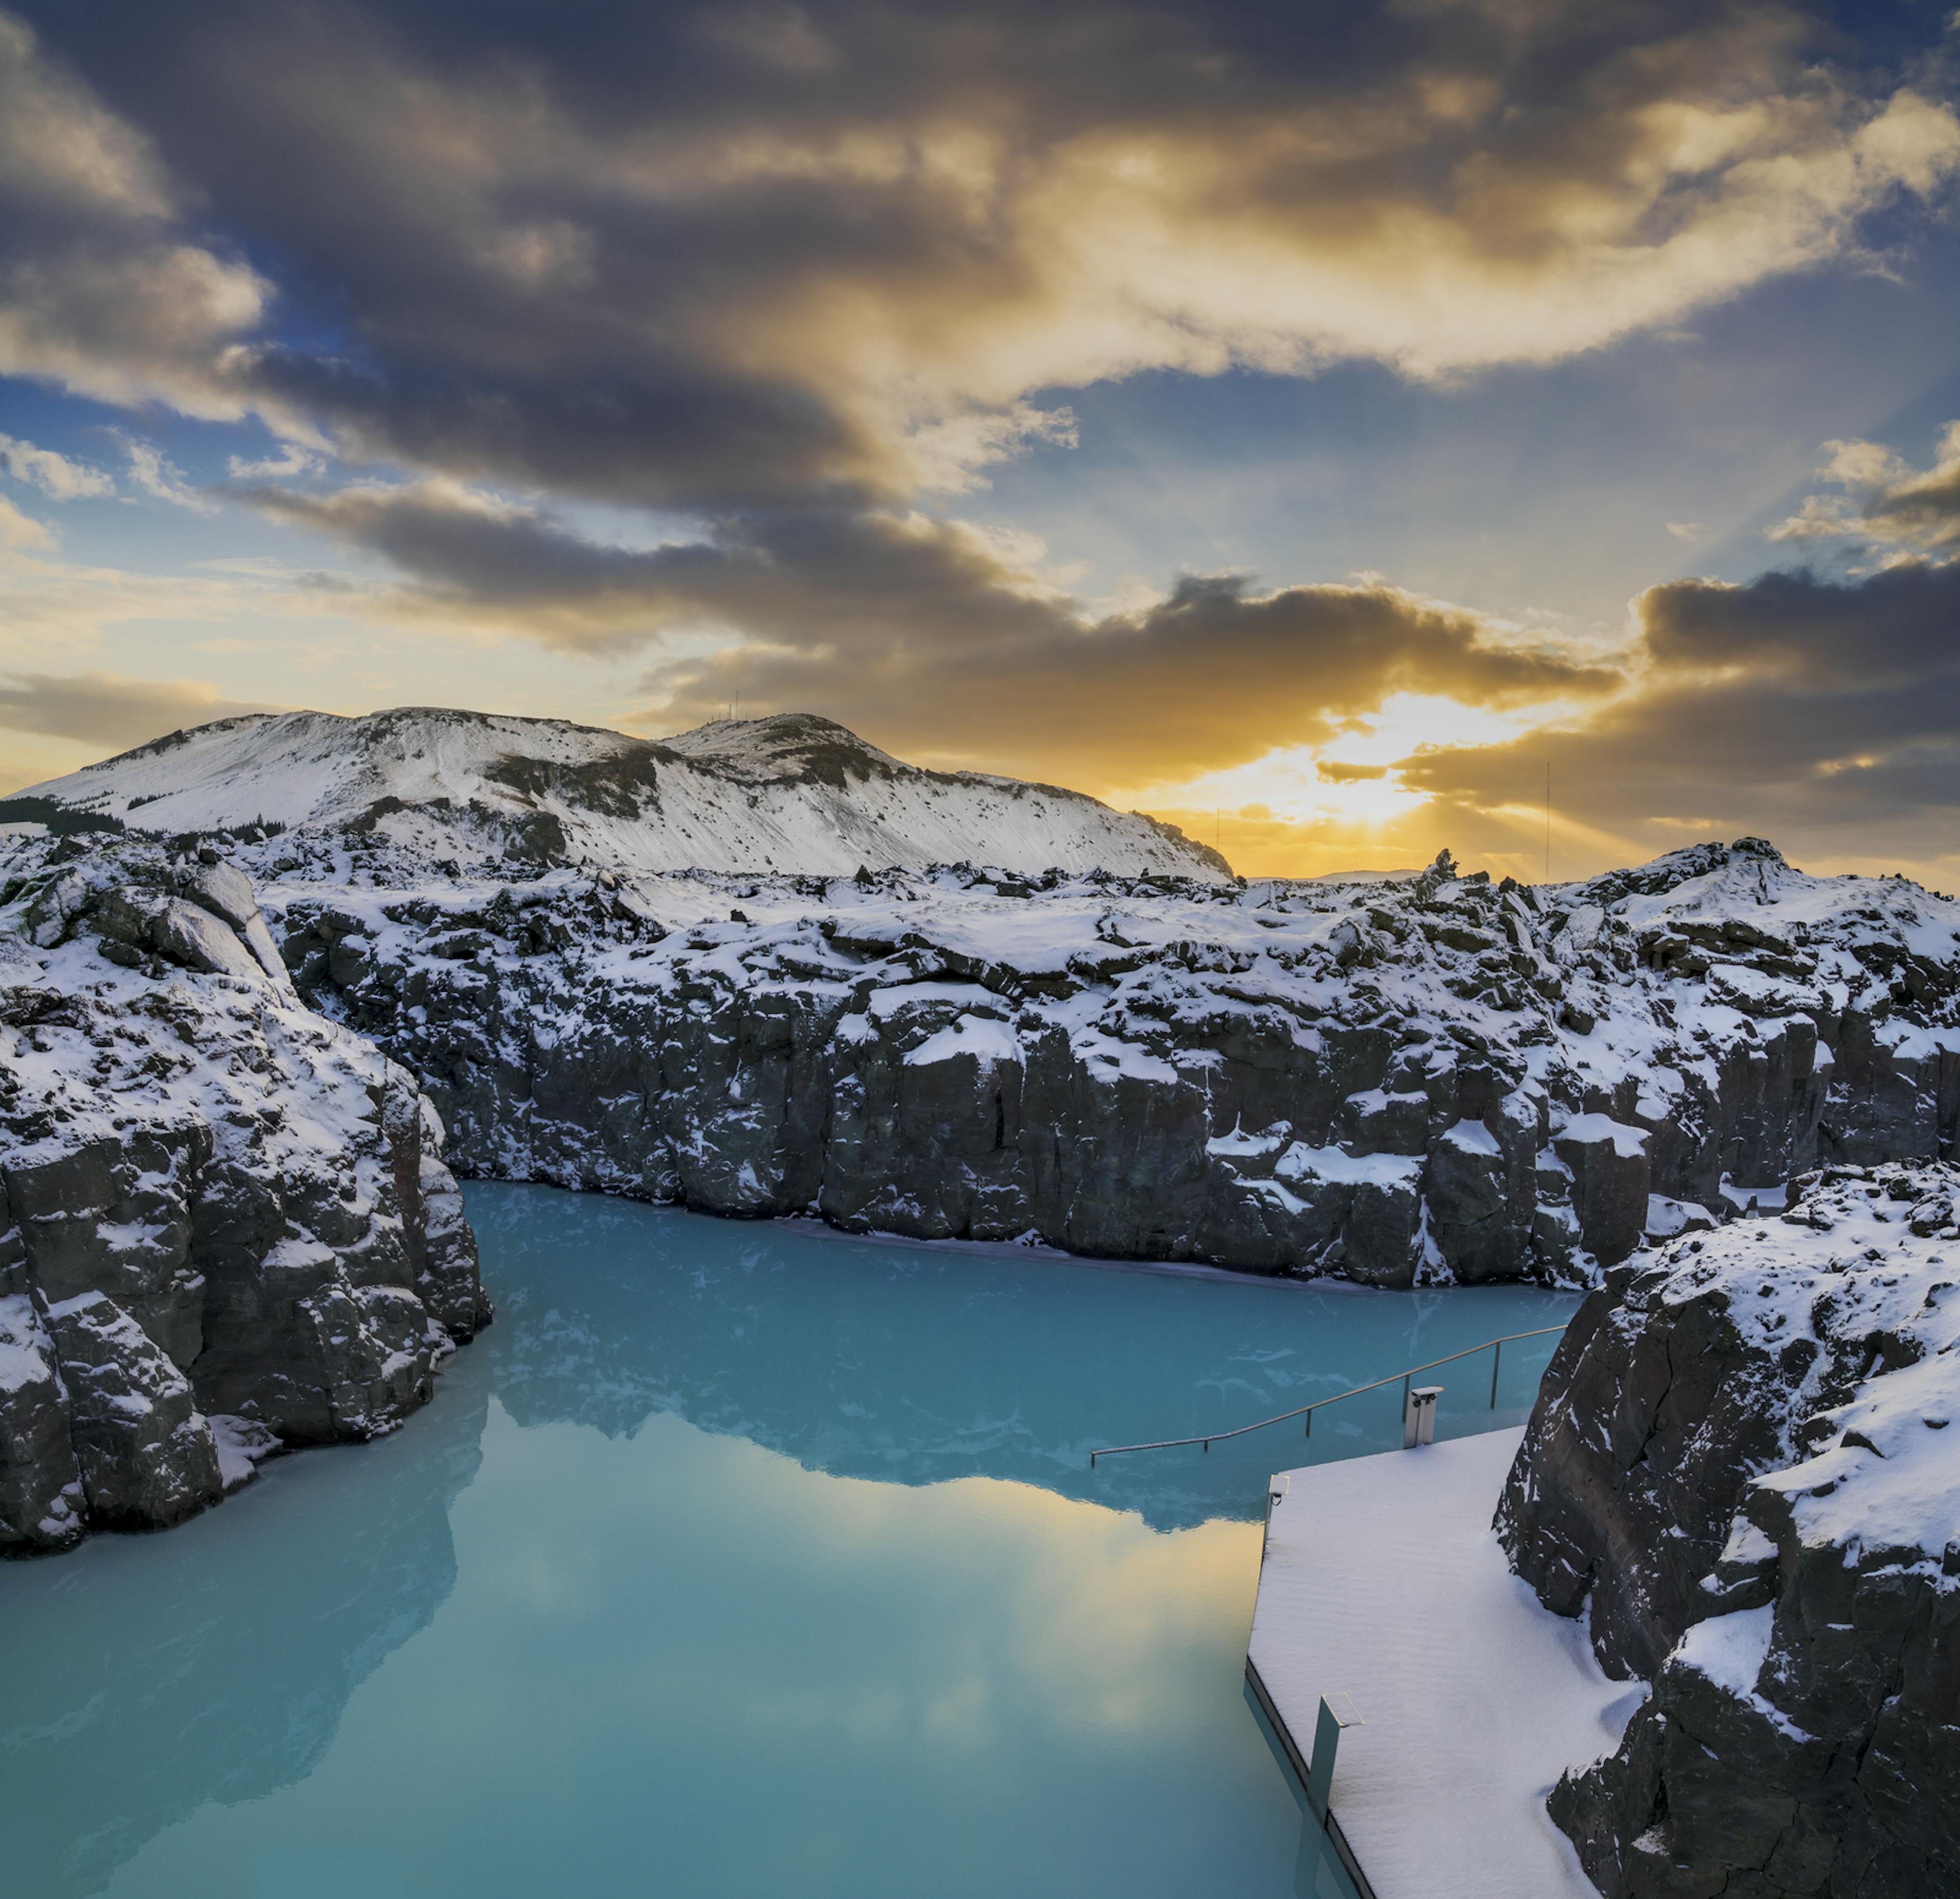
1741 1461
225 1225
1399 1080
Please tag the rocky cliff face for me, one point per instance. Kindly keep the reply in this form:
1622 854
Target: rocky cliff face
225 1224
1740 1462
1401 1081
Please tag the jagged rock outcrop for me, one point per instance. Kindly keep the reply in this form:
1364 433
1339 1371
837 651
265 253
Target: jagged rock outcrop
1741 1461
1400 1080
225 1223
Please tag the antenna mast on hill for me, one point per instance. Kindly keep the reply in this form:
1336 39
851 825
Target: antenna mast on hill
1548 820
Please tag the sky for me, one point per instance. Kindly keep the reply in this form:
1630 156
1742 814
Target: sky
1322 426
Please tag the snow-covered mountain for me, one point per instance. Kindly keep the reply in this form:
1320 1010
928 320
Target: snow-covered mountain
792 793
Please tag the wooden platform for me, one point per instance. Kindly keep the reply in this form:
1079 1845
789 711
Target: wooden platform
1384 1583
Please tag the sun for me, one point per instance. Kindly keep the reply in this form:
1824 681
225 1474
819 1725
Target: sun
1349 782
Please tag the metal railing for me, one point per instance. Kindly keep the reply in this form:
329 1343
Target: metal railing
1493 1345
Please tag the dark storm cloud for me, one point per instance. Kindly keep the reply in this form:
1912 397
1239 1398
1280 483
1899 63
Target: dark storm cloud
652 426
938 639
816 580
99 288
1211 675
741 253
1811 635
1796 704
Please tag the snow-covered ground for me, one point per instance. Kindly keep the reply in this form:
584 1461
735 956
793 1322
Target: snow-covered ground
1385 1588
792 793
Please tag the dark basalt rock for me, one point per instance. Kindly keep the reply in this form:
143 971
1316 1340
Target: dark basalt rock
1740 1460
1384 1081
225 1225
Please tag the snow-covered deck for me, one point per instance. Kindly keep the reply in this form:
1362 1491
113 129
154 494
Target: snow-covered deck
1382 1583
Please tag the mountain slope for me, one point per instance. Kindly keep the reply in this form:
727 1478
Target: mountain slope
792 793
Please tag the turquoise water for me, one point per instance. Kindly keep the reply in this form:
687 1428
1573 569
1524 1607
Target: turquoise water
732 1560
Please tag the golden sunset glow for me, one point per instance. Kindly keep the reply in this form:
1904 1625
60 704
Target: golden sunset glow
1308 810
1295 430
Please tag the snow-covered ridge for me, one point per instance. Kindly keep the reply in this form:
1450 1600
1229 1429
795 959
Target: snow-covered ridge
789 794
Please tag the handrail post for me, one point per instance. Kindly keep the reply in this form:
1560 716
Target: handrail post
1495 1346
1320 1769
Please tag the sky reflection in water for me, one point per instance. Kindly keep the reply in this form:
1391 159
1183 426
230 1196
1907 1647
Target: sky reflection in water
731 1560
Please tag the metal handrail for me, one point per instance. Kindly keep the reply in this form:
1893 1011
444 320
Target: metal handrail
1494 1345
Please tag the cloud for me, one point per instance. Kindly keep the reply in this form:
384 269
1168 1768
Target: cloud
947 455
1686 530
937 637
99 289
1798 706
769 255
780 269
56 476
291 460
1886 503
22 531
156 476
771 31
107 709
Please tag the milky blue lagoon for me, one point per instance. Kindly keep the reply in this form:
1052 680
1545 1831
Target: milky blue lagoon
734 1560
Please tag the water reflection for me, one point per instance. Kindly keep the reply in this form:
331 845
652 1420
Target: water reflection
916 1365
729 1561
677 1662
1317 1870
146 1675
